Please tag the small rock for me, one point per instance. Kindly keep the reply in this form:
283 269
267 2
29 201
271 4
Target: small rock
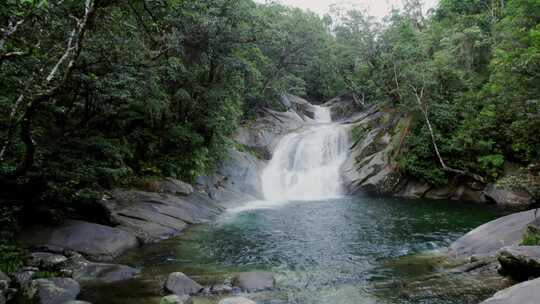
221 289
175 299
520 262
236 300
56 290
254 281
46 260
180 284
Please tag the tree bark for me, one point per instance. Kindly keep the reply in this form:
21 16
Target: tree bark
424 108
73 50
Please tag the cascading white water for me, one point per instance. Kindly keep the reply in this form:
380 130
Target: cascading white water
306 165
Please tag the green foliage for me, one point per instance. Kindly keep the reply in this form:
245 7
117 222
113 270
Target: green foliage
531 237
11 253
159 87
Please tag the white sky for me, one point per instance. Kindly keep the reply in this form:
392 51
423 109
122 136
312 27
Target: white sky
378 8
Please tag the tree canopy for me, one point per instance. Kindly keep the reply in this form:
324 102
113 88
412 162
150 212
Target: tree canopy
99 93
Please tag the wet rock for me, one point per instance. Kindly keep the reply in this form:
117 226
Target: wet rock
264 133
490 237
76 302
56 290
343 107
236 300
505 197
520 262
85 271
96 241
523 293
180 284
175 299
46 260
254 281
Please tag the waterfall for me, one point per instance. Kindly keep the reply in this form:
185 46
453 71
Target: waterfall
306 164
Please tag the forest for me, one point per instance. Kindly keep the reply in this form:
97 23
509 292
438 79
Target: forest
98 94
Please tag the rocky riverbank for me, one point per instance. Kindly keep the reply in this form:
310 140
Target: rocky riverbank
377 136
79 252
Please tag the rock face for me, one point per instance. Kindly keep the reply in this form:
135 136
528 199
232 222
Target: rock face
254 281
56 290
378 135
237 180
262 135
369 168
343 106
236 300
96 241
174 299
520 262
524 293
505 197
489 238
180 284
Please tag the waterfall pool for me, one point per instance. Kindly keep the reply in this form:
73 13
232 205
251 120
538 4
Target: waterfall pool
343 251
323 247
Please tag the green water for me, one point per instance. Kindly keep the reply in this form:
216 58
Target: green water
344 251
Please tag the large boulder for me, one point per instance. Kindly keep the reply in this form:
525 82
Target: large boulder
520 262
524 293
507 197
96 241
56 290
85 271
236 300
254 281
490 237
180 284
152 217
